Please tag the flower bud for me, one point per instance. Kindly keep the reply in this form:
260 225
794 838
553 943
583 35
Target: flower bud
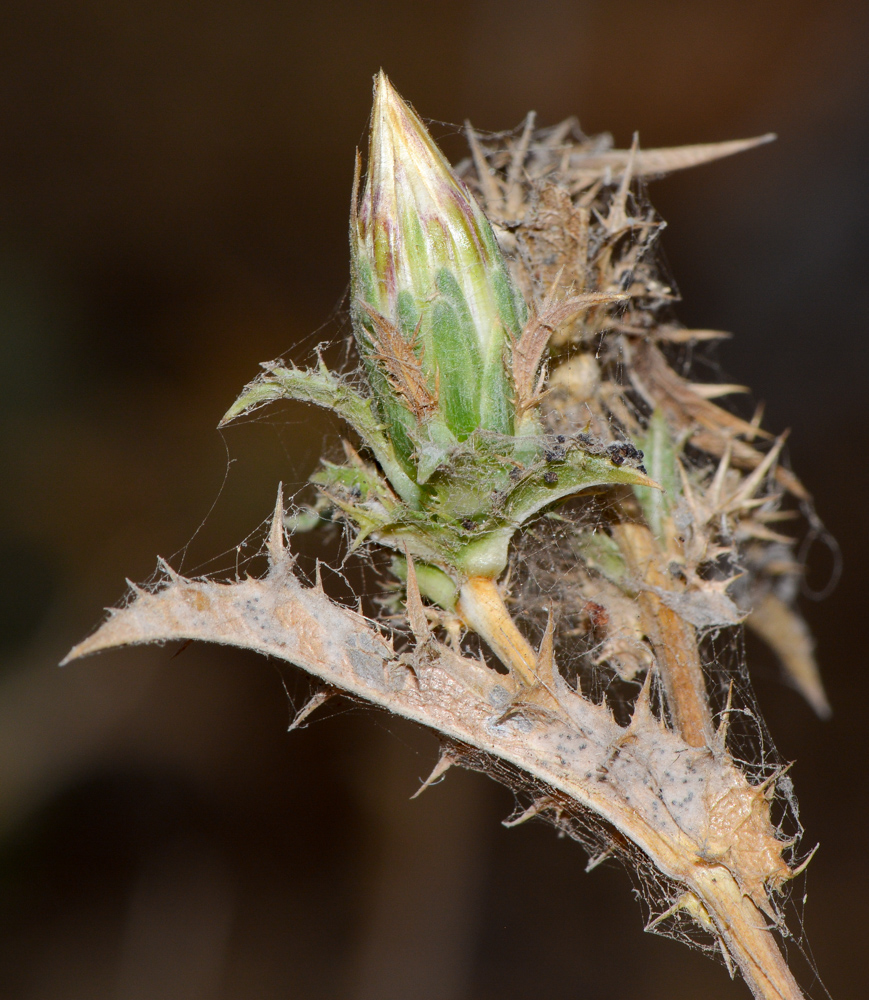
434 309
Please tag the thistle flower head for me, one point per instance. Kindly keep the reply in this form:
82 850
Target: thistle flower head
434 307
453 372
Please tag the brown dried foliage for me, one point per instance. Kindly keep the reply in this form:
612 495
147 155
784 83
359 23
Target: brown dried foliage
564 211
402 362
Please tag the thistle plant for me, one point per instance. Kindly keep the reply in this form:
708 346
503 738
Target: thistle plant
532 455
454 371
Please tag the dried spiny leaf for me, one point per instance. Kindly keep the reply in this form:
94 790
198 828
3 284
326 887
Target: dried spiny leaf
531 346
714 838
787 634
402 361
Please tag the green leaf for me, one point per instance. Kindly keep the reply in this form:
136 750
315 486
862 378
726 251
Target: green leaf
323 389
305 520
660 454
547 484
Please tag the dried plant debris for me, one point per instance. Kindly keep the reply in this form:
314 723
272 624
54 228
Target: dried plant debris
564 209
551 481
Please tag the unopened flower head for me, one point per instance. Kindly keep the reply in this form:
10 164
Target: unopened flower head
434 307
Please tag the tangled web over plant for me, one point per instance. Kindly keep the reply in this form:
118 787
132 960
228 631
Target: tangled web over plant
577 530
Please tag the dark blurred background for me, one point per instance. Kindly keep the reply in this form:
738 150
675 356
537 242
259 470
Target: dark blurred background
174 187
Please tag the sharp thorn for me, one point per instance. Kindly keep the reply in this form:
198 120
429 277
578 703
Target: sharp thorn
537 806
546 653
352 454
517 162
415 611
445 762
661 917
167 569
801 867
488 184
277 543
715 487
768 785
752 482
643 704
354 196
599 859
724 724
725 954
313 703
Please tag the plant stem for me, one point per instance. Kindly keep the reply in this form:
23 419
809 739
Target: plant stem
745 930
482 609
673 638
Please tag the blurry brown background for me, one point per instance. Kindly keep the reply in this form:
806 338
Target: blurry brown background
174 186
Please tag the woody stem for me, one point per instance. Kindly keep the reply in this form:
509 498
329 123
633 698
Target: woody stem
673 639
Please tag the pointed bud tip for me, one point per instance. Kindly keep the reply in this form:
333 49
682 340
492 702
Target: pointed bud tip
400 144
384 92
387 100
387 104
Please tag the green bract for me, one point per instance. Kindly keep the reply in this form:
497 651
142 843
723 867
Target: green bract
451 362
